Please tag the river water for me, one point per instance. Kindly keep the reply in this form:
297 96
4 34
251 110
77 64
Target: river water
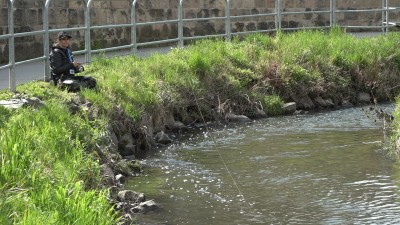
321 168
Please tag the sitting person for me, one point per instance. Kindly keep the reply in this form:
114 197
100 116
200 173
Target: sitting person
63 67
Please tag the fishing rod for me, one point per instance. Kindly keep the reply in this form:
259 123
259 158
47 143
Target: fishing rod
249 207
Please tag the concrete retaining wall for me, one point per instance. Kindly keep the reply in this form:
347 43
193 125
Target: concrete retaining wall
28 17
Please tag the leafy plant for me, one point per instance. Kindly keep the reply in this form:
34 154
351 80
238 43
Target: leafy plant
273 104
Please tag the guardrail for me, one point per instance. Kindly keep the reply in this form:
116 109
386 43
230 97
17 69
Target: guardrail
180 39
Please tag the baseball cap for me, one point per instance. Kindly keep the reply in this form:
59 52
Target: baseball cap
63 34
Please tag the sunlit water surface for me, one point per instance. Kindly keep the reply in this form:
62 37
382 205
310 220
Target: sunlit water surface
323 168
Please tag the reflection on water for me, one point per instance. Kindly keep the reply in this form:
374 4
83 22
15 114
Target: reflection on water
312 169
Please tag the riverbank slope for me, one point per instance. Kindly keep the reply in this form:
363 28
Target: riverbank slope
59 155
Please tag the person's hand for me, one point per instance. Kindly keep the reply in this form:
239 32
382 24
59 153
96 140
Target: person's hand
76 64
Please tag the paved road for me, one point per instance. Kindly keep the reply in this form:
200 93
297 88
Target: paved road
35 71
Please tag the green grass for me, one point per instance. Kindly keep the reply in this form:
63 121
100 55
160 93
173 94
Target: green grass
272 105
46 169
307 62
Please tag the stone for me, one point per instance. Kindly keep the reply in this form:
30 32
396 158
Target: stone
176 126
121 178
260 114
305 102
289 108
123 167
114 138
329 102
347 104
162 138
18 103
13 103
320 101
237 118
34 102
107 173
145 207
128 149
131 196
300 112
364 97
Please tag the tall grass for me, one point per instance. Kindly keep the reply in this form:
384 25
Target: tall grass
328 63
46 169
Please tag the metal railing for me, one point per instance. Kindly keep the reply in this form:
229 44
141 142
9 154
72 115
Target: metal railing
180 39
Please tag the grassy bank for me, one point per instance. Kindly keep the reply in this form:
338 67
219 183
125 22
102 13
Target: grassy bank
265 71
49 174
46 171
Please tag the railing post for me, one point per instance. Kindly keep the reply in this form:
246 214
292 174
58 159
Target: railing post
88 53
387 15
383 16
11 47
180 23
333 13
46 41
228 20
133 27
278 15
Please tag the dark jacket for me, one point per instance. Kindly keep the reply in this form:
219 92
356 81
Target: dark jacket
60 62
